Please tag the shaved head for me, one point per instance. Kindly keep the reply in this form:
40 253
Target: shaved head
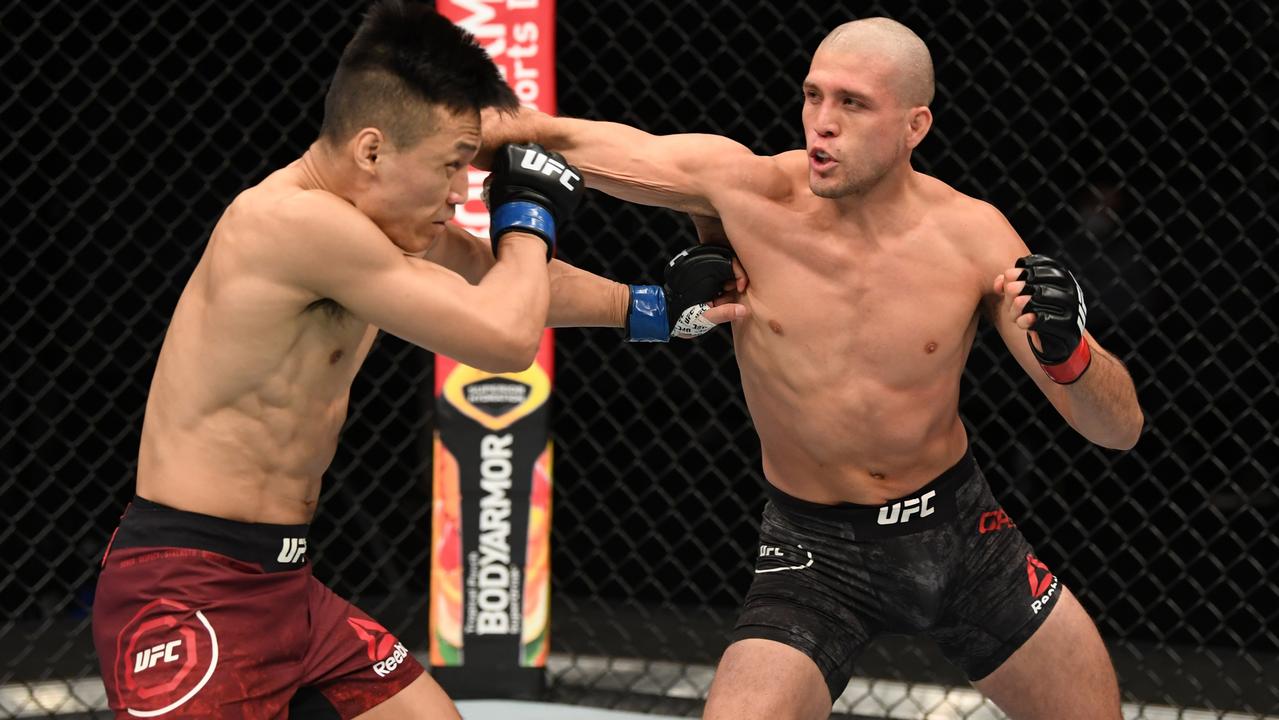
894 41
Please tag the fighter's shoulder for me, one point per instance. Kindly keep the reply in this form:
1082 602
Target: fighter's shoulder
976 227
280 216
296 237
305 210
792 163
772 176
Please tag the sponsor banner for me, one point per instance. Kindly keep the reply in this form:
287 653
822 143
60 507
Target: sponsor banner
520 37
491 513
490 545
490 537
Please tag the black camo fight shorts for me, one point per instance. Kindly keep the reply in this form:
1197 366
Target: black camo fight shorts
944 561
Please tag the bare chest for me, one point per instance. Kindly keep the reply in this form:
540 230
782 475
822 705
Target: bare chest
331 345
898 307
258 350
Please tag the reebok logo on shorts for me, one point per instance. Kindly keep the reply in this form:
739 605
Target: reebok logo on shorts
379 640
1041 588
386 652
385 667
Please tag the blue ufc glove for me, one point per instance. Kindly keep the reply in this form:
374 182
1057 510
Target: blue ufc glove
532 191
693 278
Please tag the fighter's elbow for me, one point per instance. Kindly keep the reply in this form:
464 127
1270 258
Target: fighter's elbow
499 360
1120 435
496 364
1132 430
523 351
515 346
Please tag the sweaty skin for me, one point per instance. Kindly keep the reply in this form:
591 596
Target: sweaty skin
867 279
254 376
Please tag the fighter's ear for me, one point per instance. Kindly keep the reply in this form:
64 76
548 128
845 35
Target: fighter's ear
365 147
918 121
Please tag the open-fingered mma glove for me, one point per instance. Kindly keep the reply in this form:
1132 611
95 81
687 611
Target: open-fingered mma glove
693 279
533 191
1060 314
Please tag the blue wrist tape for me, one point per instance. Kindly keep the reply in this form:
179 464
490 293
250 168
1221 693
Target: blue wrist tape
524 216
647 321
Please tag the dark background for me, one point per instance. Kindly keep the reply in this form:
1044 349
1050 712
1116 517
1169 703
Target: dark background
1136 141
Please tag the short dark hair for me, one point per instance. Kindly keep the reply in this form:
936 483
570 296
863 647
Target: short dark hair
405 58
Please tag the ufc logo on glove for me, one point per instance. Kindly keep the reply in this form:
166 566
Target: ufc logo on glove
539 162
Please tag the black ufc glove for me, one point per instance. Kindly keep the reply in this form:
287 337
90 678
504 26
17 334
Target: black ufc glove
694 278
1058 304
532 191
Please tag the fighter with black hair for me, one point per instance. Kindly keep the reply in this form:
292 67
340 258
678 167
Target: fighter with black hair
206 606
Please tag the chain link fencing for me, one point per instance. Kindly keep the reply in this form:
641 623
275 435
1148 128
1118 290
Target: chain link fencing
1134 140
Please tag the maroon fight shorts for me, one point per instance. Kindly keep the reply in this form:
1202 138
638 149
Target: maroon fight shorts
201 617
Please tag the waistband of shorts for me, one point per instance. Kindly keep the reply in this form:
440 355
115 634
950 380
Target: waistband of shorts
931 505
148 524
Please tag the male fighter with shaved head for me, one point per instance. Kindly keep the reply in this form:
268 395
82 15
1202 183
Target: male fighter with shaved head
867 282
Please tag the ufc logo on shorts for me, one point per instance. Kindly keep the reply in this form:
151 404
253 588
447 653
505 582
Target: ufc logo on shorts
538 162
293 551
148 658
902 510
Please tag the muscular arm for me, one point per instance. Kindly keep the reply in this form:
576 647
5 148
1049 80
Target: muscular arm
1102 404
322 245
682 172
578 298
